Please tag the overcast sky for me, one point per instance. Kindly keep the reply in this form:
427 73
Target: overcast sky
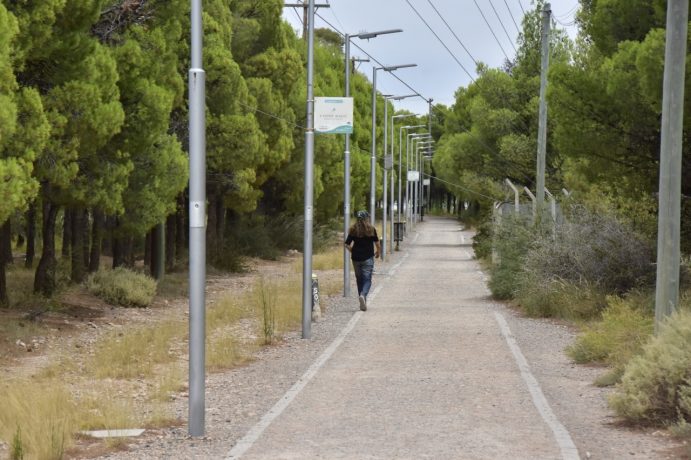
438 74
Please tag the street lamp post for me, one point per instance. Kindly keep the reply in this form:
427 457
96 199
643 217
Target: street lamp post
400 167
373 157
388 165
411 158
419 164
346 160
393 123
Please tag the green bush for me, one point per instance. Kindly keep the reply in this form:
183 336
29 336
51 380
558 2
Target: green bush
656 386
512 239
626 324
121 286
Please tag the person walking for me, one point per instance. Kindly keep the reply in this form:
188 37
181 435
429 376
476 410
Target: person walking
363 244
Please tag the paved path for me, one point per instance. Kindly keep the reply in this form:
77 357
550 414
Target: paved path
429 371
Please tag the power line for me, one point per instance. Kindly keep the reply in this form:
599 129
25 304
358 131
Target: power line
501 23
512 18
451 30
490 29
521 5
440 40
370 56
272 115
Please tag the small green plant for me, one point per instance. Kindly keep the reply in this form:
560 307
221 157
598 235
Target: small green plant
121 286
265 297
618 336
656 386
17 449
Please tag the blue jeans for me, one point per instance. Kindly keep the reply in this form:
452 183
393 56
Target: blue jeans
363 275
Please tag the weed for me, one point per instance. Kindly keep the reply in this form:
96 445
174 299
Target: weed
223 352
17 449
265 298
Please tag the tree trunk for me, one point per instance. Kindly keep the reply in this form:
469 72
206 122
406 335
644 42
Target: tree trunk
66 233
86 239
128 250
96 240
148 243
171 235
44 281
158 253
6 256
78 271
181 232
30 236
4 301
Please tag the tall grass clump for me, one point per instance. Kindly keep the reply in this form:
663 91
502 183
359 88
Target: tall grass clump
625 326
278 305
121 286
656 386
37 419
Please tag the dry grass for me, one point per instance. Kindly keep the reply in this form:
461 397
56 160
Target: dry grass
38 418
135 353
142 365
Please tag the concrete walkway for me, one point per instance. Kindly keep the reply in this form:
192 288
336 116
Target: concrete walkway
429 371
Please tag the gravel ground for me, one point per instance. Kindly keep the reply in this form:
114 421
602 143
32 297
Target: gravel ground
237 399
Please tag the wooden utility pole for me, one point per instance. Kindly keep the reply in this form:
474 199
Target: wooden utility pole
304 13
668 254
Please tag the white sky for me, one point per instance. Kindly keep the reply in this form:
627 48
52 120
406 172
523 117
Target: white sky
438 75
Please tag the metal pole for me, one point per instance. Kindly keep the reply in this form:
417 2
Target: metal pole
386 176
400 171
391 231
373 159
542 122
309 183
346 180
197 224
668 257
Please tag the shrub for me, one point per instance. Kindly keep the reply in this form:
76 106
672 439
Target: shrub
512 239
626 324
558 298
656 386
593 248
121 286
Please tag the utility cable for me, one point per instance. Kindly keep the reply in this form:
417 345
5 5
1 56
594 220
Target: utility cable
521 5
506 163
371 57
440 40
518 29
490 29
501 23
451 30
272 115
